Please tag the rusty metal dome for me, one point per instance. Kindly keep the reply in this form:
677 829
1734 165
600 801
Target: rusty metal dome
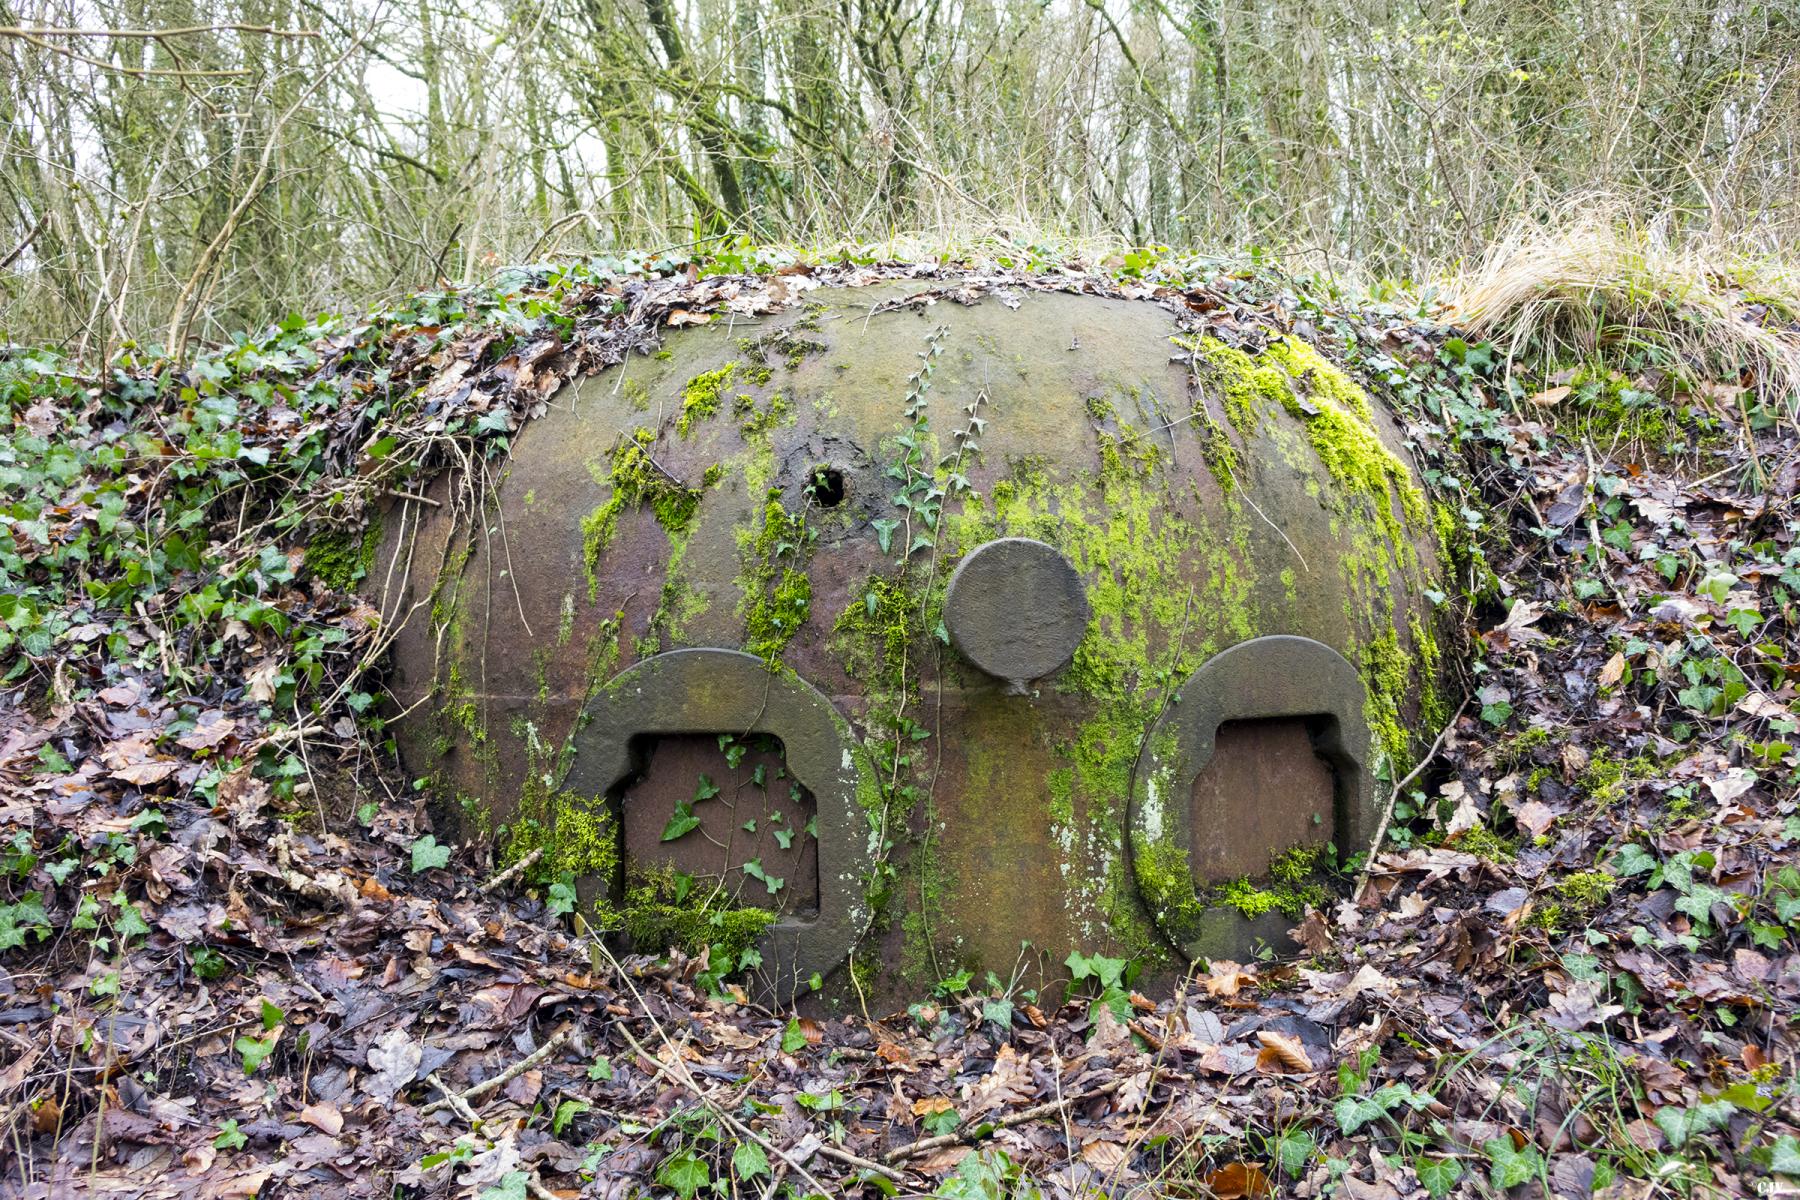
897 634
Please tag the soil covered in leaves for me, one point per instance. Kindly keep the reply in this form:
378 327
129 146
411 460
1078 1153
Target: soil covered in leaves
235 960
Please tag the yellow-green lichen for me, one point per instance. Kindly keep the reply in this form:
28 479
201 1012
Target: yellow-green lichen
1166 882
776 594
1604 778
754 420
637 396
577 835
1387 672
664 910
1586 891
1483 842
1295 883
774 617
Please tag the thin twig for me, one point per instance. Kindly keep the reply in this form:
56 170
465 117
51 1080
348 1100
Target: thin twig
1387 812
505 877
927 1145
24 245
180 31
680 1076
478 1091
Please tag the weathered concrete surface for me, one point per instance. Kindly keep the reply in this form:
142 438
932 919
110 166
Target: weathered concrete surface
1191 530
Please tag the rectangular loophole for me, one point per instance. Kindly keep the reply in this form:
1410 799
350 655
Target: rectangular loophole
729 800
1264 791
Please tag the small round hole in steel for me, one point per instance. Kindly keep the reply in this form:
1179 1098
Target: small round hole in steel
827 487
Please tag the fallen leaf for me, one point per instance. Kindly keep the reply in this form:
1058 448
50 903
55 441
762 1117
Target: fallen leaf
323 1117
1238 1181
1104 1155
1535 817
1282 1054
394 1059
1225 977
1613 671
1731 784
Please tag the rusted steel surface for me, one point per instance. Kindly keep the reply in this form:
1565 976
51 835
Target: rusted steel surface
1264 790
747 820
1094 440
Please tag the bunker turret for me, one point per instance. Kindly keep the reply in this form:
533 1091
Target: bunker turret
885 638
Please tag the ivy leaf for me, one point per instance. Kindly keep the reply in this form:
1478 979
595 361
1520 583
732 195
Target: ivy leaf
254 1050
512 1186
230 1137
1353 1112
1294 1150
1438 1175
1698 902
1785 1160
566 1112
131 923
681 824
561 900
1508 1166
944 1120
706 790
684 1174
754 869
793 1038
426 854
748 1161
1633 859
1682 1125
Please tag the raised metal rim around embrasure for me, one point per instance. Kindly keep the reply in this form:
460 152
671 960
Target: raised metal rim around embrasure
1268 677
707 691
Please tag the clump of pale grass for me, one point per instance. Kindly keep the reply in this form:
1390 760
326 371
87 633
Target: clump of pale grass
1595 281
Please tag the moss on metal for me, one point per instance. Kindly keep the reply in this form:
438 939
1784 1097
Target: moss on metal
635 481
1179 564
703 396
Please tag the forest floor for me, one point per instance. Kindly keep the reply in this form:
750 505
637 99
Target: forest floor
236 962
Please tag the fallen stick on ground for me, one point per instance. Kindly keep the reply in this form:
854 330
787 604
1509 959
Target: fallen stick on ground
457 1105
927 1145
512 872
686 1081
477 1091
1387 814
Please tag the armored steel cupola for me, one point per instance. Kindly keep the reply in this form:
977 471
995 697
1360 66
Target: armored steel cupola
891 631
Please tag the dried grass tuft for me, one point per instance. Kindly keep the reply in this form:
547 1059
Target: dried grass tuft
1594 280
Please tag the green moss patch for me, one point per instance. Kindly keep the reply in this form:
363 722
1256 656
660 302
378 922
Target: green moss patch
666 910
703 396
341 559
636 481
1295 883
